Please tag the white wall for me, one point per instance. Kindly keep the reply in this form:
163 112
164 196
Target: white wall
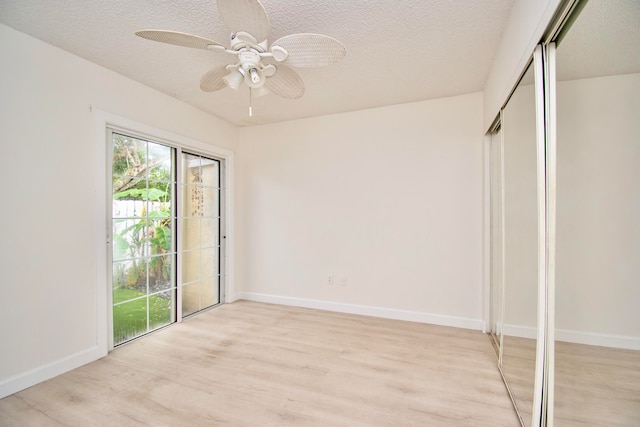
48 152
598 229
391 198
527 23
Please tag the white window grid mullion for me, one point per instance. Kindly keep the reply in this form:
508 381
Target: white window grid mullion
146 231
177 241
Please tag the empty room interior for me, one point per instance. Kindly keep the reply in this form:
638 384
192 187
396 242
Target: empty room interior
363 213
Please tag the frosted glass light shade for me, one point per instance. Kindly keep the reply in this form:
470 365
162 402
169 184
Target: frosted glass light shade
234 79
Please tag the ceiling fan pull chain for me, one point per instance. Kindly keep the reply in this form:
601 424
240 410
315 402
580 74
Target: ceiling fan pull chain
250 99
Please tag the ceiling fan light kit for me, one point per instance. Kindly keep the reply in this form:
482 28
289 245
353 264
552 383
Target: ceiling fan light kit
250 25
234 79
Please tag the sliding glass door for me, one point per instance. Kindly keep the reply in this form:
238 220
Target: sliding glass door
165 234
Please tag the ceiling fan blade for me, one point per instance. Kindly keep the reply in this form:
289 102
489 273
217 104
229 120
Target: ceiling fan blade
285 83
245 15
179 39
311 50
212 80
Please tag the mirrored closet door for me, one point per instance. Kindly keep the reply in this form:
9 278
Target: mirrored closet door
521 239
597 298
570 223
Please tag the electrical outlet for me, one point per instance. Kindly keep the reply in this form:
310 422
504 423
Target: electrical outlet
343 280
330 281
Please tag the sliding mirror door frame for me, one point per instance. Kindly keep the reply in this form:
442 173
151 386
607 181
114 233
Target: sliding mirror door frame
494 187
546 153
598 350
542 63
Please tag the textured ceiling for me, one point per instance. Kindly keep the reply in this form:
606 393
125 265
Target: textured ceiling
398 51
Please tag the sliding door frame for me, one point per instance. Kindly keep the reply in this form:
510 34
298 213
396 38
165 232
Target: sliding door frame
566 13
543 64
146 256
494 329
106 121
539 399
551 174
222 230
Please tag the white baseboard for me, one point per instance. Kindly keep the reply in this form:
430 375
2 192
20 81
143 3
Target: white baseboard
233 297
578 337
27 379
387 313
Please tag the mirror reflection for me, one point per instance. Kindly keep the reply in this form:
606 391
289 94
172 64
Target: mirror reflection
521 248
597 359
495 240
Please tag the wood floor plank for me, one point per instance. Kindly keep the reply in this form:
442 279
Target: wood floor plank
254 364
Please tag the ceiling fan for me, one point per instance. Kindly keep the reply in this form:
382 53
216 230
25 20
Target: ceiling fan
262 67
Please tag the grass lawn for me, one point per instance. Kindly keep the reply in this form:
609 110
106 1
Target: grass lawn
130 318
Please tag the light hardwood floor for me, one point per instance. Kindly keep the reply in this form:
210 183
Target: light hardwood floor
253 364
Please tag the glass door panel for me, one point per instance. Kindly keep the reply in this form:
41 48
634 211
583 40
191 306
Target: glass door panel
143 253
200 233
520 246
